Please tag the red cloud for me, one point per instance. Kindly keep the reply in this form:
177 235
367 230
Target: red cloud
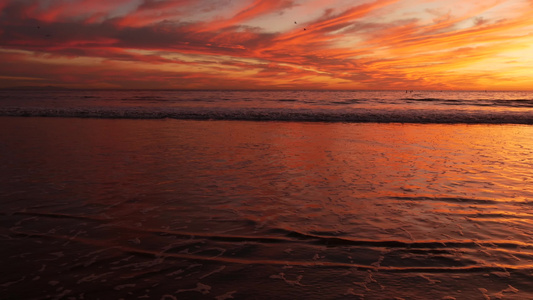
359 45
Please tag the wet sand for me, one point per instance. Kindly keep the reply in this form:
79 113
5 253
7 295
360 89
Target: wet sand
175 209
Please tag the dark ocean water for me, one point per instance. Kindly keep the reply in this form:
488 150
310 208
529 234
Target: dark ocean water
338 106
166 208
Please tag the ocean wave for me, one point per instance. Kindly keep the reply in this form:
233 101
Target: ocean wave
516 103
303 115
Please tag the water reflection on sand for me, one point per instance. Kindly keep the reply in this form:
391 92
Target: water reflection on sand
218 209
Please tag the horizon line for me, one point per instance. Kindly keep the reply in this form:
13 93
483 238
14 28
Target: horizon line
49 87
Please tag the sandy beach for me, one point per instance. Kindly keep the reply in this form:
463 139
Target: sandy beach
176 209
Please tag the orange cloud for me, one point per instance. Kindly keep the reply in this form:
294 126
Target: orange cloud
316 44
254 9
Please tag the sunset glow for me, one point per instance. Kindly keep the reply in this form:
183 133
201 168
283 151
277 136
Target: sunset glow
267 44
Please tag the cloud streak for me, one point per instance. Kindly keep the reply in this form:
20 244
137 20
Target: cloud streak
394 44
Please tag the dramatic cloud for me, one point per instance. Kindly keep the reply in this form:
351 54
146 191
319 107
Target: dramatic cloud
366 44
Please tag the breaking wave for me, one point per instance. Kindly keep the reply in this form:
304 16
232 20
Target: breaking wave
303 115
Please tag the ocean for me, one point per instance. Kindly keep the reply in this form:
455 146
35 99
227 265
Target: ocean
310 106
266 194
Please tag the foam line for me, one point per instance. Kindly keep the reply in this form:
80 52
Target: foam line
357 116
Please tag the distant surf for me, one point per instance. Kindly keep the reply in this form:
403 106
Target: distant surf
368 116
300 106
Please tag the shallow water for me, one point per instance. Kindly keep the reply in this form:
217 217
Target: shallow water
181 209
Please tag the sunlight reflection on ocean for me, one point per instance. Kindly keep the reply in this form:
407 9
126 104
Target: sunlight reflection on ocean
217 209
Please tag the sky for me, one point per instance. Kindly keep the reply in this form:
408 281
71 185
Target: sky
267 44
